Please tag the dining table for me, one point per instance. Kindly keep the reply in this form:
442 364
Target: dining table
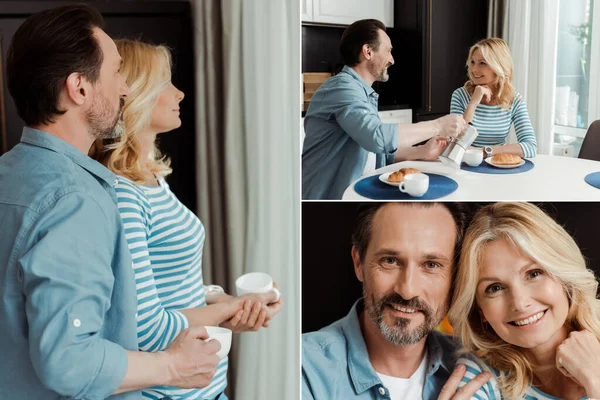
552 178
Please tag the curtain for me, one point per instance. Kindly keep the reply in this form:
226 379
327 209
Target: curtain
248 142
531 31
496 17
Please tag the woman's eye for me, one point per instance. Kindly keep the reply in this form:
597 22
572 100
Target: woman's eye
535 273
493 289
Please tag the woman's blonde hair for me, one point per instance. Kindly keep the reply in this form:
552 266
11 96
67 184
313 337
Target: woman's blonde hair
538 236
146 69
496 53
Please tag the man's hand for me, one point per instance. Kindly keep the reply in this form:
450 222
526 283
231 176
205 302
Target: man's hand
450 125
466 392
432 149
192 362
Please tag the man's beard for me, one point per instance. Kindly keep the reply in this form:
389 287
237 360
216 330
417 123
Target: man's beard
381 75
399 333
98 115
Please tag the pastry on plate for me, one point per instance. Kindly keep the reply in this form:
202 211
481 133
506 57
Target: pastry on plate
407 171
397 176
506 159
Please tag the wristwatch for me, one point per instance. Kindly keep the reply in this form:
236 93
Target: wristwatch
488 151
213 289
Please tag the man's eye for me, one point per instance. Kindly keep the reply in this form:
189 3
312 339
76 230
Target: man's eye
431 265
389 260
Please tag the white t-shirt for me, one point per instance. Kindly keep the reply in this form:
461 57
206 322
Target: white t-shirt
406 389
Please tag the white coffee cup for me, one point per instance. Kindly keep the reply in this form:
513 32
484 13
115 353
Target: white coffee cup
415 185
473 157
223 336
255 282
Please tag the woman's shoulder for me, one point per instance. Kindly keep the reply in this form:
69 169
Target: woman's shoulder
461 91
127 188
475 365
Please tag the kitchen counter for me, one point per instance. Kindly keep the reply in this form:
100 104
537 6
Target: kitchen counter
388 107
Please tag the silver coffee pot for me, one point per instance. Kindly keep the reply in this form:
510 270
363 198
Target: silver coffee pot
453 153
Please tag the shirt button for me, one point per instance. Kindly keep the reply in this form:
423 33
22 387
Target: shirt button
115 182
76 323
136 315
382 391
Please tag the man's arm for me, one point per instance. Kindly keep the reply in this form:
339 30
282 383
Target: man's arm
68 284
361 121
448 125
188 362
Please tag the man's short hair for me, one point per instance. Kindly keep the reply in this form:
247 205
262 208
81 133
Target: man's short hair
366 213
364 31
45 50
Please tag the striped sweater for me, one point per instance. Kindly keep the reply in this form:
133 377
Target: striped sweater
490 390
493 122
166 241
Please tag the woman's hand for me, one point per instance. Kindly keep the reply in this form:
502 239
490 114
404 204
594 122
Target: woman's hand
248 314
252 311
482 92
578 358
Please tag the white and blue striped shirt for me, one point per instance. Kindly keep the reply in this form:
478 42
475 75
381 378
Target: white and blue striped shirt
493 122
166 241
490 390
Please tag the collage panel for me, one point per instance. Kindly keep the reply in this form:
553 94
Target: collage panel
414 300
149 199
466 100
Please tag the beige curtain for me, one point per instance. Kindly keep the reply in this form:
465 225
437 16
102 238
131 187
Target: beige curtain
249 92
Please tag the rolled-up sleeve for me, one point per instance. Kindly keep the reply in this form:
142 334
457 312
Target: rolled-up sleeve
361 122
68 283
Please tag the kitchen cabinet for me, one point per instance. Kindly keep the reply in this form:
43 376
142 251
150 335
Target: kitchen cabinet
431 40
345 12
396 116
138 20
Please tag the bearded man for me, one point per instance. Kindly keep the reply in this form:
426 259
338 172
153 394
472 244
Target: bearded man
387 346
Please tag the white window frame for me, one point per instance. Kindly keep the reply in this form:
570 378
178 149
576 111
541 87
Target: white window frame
594 88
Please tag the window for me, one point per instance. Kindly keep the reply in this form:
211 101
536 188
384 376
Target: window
577 70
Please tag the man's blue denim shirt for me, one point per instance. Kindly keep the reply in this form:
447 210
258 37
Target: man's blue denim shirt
336 366
342 126
67 290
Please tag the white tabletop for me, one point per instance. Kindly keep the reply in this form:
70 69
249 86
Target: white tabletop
552 178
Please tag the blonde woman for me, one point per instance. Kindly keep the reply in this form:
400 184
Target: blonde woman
489 102
525 307
164 237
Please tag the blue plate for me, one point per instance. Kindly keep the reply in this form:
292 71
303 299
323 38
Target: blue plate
485 168
372 188
593 179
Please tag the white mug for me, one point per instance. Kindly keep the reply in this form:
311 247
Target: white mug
255 282
223 336
473 157
415 185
